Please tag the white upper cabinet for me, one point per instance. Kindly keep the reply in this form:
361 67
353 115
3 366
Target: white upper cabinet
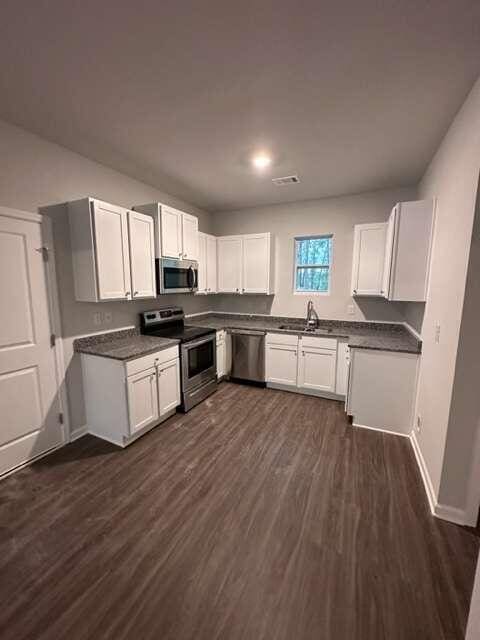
407 255
368 259
176 232
102 251
189 237
229 256
142 255
211 264
207 263
170 230
257 272
246 264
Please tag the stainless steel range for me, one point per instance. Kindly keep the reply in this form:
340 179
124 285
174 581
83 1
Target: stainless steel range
198 351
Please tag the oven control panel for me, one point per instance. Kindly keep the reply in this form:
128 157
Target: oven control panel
161 315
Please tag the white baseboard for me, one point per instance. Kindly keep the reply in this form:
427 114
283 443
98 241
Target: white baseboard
392 433
78 432
442 511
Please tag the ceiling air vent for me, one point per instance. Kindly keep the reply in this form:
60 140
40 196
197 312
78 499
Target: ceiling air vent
286 180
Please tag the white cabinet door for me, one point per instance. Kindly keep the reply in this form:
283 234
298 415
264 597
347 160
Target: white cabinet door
168 386
389 248
316 369
411 251
189 237
211 264
111 251
368 259
142 399
202 263
142 255
281 364
229 260
256 263
221 357
343 358
171 231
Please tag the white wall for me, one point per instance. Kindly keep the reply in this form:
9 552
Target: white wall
452 178
330 215
36 173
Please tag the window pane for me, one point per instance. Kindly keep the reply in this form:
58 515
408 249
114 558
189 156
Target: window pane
314 251
312 279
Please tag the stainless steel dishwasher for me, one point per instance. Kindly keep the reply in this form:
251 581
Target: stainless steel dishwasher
248 355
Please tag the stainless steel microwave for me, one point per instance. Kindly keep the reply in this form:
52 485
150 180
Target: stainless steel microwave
176 276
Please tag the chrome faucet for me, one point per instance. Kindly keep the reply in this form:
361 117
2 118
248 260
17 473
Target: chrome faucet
312 317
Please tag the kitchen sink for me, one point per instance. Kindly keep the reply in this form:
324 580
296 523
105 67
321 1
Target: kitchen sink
303 329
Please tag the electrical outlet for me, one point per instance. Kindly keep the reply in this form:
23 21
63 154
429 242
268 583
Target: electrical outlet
97 318
351 310
107 317
437 333
418 426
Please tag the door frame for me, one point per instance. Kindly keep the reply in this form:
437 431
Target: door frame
46 228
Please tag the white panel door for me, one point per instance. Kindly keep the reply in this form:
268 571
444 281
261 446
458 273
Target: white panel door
316 369
256 263
343 360
229 261
389 249
368 259
281 364
142 399
171 232
142 254
190 236
111 251
29 405
168 386
211 264
202 263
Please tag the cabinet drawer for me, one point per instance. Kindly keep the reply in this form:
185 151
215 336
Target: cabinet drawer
318 343
152 360
281 338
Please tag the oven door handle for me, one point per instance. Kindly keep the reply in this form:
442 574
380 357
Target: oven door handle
191 345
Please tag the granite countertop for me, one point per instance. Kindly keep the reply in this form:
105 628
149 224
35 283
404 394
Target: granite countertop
126 344
380 336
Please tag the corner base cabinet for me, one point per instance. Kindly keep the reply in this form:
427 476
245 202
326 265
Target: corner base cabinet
124 400
224 354
381 392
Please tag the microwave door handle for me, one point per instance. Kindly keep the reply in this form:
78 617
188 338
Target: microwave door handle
191 278
195 278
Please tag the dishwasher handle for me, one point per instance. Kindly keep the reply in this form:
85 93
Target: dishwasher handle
247 332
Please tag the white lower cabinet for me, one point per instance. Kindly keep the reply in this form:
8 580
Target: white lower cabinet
168 378
316 369
142 395
381 393
224 354
307 363
123 400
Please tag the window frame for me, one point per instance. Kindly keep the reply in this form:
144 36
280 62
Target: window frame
318 236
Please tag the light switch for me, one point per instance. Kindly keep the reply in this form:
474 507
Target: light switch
97 318
351 310
437 333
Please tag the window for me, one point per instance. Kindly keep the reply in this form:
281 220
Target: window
313 259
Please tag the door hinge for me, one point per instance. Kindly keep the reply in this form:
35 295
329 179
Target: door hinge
60 418
44 251
53 339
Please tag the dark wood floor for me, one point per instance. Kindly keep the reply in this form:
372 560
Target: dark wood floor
260 514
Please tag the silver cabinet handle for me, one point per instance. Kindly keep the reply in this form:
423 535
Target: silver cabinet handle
135 293
127 293
354 291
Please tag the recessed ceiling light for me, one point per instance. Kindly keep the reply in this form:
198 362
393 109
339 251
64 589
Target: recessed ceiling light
261 160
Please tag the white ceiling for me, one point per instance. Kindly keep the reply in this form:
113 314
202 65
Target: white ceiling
351 95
